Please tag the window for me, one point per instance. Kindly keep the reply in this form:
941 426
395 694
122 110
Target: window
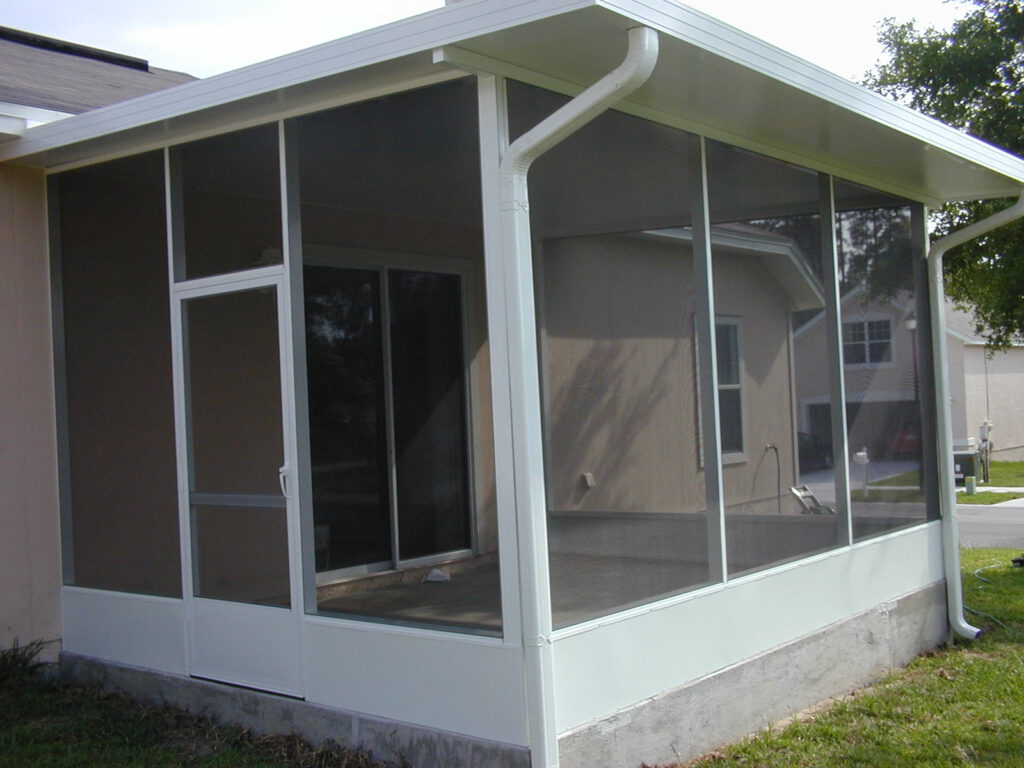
730 411
867 342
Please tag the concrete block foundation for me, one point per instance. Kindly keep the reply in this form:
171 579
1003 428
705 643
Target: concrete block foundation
389 740
723 707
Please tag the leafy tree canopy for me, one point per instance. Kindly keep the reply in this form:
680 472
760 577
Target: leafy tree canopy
972 77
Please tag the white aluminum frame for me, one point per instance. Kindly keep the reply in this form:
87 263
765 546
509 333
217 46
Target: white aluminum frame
707 360
909 555
494 141
834 345
162 116
216 629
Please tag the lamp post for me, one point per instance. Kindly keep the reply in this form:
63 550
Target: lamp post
910 323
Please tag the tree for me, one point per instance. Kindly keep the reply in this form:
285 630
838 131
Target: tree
971 77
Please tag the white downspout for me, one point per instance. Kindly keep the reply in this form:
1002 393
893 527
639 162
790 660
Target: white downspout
944 429
517 248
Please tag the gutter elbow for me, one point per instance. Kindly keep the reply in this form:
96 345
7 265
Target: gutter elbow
636 67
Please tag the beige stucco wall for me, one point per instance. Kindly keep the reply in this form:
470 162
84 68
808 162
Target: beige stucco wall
955 356
997 395
746 290
619 383
620 377
29 535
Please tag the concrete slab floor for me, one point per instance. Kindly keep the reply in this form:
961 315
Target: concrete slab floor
582 587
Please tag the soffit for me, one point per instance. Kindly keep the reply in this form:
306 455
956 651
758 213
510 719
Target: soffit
710 78
722 83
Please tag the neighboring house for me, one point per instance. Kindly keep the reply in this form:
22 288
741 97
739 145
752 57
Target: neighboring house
883 381
42 80
882 378
351 427
985 386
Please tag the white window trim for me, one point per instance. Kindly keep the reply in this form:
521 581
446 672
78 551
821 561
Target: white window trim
740 456
864 320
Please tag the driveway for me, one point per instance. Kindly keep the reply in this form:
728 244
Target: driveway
996 525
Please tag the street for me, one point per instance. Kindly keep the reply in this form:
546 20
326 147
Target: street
997 525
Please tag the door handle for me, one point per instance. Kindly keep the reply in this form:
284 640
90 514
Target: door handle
282 477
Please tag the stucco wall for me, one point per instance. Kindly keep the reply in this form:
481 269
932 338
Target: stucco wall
619 377
746 291
956 357
620 385
992 389
29 539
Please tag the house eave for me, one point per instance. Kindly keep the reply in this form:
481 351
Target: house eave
712 79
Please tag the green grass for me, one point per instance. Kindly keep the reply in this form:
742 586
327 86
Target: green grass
961 706
47 724
1008 474
894 496
1002 474
903 479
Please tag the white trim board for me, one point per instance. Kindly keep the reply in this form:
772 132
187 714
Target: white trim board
140 630
801 112
439 680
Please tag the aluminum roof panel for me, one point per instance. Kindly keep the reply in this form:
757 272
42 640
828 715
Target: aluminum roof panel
710 78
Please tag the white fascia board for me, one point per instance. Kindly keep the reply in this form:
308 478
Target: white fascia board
799 281
963 338
720 39
15 119
967 166
11 127
392 41
984 344
34 115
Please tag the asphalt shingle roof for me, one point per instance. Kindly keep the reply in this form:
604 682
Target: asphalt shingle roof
47 78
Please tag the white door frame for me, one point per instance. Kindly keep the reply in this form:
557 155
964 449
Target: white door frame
244 644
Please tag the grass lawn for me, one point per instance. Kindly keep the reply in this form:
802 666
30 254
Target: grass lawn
1009 474
46 724
904 479
960 706
1005 474
1002 474
896 495
887 495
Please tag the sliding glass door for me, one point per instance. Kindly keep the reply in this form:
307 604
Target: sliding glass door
387 418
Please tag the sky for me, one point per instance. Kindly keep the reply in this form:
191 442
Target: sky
206 37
